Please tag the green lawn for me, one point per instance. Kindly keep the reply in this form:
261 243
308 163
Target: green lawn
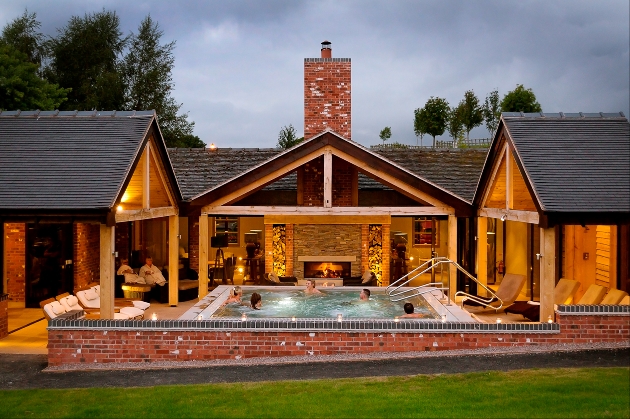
587 392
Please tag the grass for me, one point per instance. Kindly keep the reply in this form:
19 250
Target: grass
584 392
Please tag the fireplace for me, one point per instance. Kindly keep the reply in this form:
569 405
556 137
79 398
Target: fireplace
327 269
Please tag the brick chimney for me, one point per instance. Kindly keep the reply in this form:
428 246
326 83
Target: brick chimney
327 94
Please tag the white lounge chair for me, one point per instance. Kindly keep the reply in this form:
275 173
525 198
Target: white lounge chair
90 299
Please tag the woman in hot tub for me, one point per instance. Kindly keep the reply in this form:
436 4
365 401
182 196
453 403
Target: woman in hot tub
235 296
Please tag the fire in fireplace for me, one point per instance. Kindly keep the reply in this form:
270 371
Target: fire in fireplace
327 269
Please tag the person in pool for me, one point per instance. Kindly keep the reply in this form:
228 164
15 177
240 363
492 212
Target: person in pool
235 296
310 287
256 301
365 295
408 307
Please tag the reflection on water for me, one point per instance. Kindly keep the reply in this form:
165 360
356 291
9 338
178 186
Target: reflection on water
328 304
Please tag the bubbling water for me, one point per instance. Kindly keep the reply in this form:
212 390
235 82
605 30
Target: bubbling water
328 304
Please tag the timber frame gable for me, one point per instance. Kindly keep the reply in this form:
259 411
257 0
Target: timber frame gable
432 198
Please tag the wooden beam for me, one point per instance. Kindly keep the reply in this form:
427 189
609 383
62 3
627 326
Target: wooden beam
204 244
509 179
335 211
328 173
482 253
146 177
327 219
452 255
167 185
495 172
512 215
145 214
547 272
173 260
107 258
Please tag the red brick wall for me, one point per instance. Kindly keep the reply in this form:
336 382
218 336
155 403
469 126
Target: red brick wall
15 251
122 242
4 315
327 97
342 183
313 183
128 346
87 256
193 243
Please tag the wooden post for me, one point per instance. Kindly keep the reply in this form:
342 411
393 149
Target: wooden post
204 244
547 272
452 255
482 254
509 179
107 242
173 259
146 177
328 178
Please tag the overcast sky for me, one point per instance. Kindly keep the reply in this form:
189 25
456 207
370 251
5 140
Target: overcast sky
239 64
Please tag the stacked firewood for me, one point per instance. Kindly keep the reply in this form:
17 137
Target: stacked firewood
278 249
375 249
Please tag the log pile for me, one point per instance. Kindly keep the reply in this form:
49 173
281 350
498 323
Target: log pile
375 250
278 249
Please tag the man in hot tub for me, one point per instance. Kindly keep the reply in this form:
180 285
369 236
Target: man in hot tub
310 287
365 295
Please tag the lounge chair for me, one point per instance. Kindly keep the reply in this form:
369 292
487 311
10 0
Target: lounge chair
273 279
91 300
52 308
625 301
562 294
614 296
594 295
367 280
508 292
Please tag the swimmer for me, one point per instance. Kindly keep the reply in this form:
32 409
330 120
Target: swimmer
408 307
235 296
365 295
256 301
310 287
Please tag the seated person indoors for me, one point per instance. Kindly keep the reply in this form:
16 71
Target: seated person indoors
235 296
310 288
130 276
151 273
408 307
365 294
256 301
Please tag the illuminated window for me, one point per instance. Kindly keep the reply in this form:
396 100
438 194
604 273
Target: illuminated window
425 231
229 226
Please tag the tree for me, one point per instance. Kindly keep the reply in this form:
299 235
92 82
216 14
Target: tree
419 124
146 72
385 134
85 56
470 112
455 124
23 35
21 87
492 111
436 112
287 137
520 100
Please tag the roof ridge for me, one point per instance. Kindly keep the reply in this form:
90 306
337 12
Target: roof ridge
80 114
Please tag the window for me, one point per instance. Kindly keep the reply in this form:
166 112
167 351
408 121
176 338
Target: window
424 231
229 226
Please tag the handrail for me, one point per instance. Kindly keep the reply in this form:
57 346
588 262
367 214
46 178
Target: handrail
394 289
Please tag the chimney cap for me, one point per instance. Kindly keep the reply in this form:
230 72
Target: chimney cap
326 45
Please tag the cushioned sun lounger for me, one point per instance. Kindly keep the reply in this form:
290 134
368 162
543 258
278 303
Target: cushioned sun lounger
562 294
505 295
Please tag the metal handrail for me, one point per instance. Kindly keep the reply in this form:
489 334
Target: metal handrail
394 289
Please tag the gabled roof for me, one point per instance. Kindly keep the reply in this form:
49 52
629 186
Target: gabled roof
71 162
573 163
242 178
456 170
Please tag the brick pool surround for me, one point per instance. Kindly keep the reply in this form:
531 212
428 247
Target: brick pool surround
74 341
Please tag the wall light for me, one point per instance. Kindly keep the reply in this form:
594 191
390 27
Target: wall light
120 208
243 317
498 320
339 318
504 217
154 316
549 319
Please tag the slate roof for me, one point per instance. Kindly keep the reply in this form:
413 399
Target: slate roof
198 170
67 160
576 162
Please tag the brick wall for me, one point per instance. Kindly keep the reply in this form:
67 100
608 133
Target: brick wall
326 240
87 254
313 183
4 315
15 251
193 243
327 96
342 183
122 234
142 345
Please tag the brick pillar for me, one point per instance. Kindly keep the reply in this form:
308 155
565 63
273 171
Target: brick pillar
4 315
15 251
193 243
87 247
289 249
327 96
